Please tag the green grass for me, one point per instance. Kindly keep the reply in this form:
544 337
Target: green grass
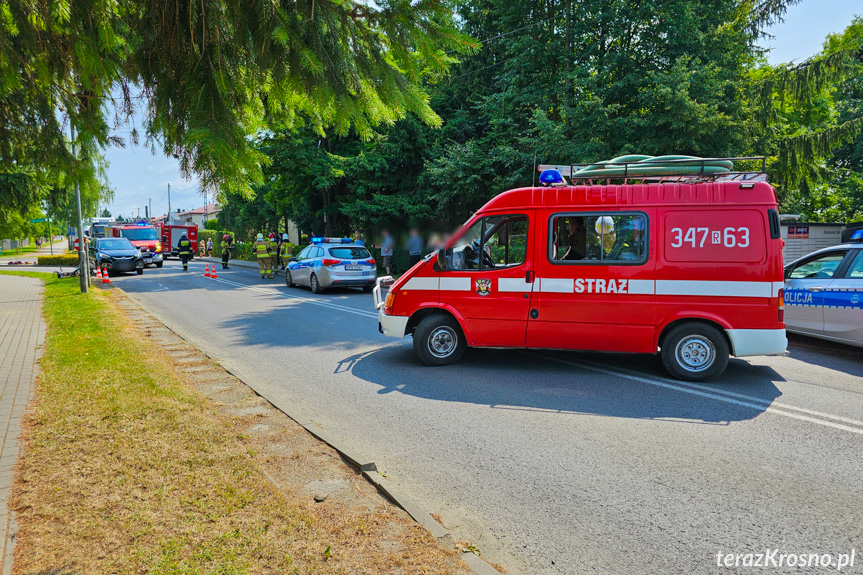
127 471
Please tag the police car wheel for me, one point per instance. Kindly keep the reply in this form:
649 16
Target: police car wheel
313 283
695 352
159 265
289 281
438 340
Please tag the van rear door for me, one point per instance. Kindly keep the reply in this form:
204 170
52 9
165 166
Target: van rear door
489 278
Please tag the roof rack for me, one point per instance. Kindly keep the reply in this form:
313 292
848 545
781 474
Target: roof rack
660 170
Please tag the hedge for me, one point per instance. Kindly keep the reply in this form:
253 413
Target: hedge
58 260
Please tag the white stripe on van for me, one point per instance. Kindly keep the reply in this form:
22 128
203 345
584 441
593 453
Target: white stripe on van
455 284
513 285
636 287
641 287
556 285
421 284
707 288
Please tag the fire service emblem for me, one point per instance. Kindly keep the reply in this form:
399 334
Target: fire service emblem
483 287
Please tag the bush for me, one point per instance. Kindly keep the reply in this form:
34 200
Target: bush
58 260
401 261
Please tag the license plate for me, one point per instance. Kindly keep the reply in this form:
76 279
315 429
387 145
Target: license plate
353 268
148 260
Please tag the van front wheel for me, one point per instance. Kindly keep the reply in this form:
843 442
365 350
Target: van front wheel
695 352
438 340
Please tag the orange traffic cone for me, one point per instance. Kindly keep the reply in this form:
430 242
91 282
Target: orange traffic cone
213 273
98 273
105 278
207 271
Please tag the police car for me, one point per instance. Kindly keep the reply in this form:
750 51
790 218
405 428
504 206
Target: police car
332 262
824 293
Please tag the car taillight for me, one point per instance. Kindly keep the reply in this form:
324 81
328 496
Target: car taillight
371 261
331 262
391 301
781 305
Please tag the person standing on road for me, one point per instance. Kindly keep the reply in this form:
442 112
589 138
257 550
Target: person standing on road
274 248
262 251
184 250
285 251
227 245
358 238
209 247
387 245
415 247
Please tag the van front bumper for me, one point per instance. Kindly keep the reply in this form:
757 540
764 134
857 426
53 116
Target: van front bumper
392 325
746 342
389 325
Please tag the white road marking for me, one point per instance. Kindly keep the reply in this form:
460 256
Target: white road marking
271 291
733 398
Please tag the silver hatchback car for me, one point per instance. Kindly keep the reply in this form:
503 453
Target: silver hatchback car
332 262
824 294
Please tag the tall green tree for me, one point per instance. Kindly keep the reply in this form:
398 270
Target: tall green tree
210 73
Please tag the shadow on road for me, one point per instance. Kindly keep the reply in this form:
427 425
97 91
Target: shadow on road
827 354
530 380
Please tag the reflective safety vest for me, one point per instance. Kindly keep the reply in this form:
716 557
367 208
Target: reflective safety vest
274 245
262 249
286 246
184 247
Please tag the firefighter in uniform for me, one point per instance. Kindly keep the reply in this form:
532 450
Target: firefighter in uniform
274 249
226 245
284 252
262 252
184 249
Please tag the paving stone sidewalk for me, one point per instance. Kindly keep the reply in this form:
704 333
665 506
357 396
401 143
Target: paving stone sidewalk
22 335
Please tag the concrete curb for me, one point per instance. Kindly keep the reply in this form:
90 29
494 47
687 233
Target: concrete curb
364 464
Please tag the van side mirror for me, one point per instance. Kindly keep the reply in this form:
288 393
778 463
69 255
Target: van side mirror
441 258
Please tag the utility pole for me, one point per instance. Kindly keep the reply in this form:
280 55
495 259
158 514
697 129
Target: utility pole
83 256
169 204
150 211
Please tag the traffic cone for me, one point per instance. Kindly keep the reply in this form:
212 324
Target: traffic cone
213 273
207 271
98 273
105 278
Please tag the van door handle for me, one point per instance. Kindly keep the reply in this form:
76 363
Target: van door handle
816 288
528 277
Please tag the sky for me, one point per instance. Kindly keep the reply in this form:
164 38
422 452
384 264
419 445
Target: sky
136 174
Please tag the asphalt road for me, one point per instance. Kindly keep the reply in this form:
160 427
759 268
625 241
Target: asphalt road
556 463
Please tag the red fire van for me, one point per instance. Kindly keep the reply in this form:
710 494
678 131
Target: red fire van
687 267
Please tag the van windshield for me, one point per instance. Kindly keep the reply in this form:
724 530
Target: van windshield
138 234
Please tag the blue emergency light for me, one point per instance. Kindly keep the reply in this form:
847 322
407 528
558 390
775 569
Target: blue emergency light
857 236
332 240
550 178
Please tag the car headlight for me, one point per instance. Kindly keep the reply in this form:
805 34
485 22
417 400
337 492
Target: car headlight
104 256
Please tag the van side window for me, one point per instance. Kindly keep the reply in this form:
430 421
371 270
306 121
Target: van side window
598 238
492 242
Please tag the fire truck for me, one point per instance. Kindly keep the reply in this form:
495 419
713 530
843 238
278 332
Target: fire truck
170 234
143 236
670 256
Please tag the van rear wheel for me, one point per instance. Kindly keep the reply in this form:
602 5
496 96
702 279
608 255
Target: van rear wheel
695 352
438 340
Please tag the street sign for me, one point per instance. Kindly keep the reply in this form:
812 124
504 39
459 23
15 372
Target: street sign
38 220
